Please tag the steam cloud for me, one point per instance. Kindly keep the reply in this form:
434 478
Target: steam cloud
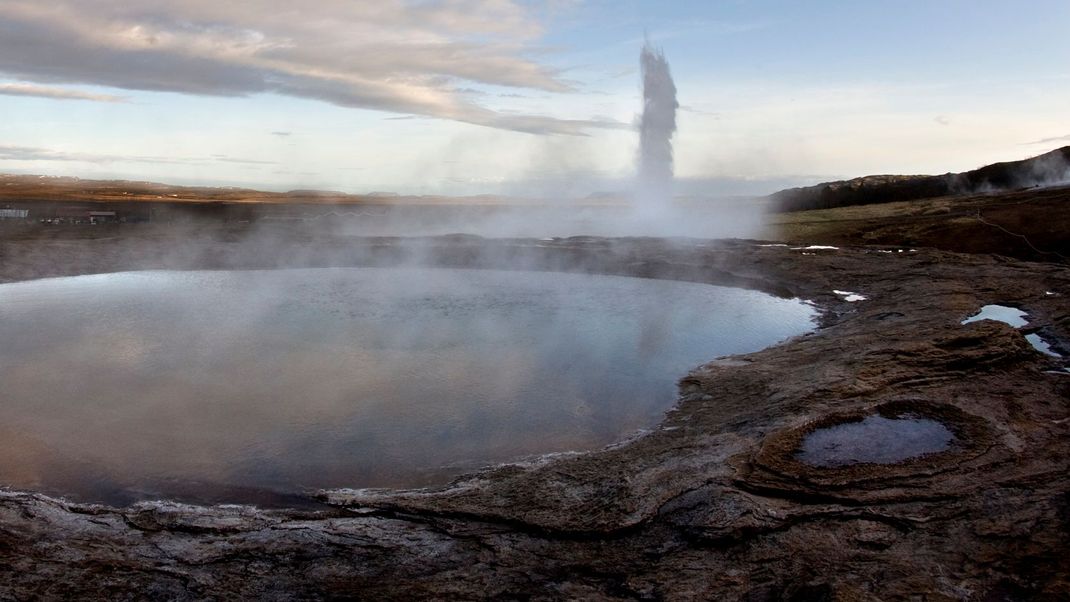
656 128
1051 169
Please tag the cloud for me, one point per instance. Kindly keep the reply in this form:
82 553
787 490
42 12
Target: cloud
225 159
282 134
690 109
469 91
32 153
942 119
1049 140
22 89
390 55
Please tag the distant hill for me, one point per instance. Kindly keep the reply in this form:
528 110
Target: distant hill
28 188
1049 169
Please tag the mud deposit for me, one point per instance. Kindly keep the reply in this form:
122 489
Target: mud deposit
712 504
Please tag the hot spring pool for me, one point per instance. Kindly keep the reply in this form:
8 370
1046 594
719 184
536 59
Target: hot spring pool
875 440
250 386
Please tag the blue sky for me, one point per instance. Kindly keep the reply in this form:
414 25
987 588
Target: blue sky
532 98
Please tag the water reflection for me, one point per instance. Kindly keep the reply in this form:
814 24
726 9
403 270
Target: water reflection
185 384
875 439
1000 313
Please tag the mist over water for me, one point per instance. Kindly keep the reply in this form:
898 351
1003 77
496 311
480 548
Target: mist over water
227 385
656 128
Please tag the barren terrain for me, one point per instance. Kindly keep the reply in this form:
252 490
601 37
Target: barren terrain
1028 224
711 504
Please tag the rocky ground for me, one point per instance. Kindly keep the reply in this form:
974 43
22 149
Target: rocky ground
711 504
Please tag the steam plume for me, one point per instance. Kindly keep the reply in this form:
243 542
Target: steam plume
656 128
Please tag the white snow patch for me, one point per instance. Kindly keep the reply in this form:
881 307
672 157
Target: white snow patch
815 248
779 244
850 297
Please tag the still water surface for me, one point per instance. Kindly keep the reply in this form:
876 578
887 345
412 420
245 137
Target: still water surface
252 386
875 440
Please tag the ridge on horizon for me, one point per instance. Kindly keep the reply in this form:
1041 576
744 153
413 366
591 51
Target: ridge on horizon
1051 168
1047 169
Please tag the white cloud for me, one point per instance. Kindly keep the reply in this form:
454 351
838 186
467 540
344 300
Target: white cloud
23 89
1050 140
389 55
10 152
32 153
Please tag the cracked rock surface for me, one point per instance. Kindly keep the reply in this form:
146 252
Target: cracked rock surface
712 504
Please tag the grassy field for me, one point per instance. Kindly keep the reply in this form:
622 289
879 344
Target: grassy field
1032 224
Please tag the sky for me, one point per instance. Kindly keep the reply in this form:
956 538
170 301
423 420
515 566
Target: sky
527 98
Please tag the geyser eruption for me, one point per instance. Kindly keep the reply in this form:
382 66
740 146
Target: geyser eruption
656 128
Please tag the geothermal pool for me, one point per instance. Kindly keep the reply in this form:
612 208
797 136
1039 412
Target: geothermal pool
875 440
256 386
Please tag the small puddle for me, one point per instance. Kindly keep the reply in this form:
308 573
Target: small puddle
1016 318
1000 313
876 440
1041 345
